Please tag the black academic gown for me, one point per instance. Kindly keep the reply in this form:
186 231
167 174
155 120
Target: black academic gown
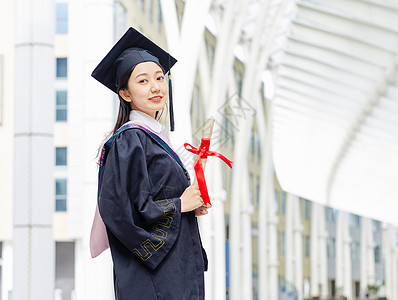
156 249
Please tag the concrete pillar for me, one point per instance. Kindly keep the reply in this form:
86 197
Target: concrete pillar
246 237
33 245
289 245
266 192
90 116
390 256
272 248
368 275
294 245
343 256
322 253
212 229
273 256
315 280
6 270
298 248
207 237
218 217
319 283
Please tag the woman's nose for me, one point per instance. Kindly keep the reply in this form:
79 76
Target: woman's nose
154 86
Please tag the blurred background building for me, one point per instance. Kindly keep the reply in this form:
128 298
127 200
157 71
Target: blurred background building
305 98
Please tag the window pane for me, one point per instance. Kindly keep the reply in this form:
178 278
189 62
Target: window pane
60 156
62 67
60 194
61 106
307 246
283 202
160 17
377 254
62 17
151 10
61 115
307 209
60 205
276 195
60 187
62 97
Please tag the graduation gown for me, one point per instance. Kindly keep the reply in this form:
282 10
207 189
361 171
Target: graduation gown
156 249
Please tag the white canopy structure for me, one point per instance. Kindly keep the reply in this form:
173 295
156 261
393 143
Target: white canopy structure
335 122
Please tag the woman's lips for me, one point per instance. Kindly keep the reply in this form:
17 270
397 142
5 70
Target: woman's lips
156 98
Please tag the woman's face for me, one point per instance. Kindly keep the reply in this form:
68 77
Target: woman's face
146 89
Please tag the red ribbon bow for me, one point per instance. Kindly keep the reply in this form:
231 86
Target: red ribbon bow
203 152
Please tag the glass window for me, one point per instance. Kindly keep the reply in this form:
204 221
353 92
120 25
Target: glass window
331 248
276 195
307 246
252 143
331 214
376 226
306 209
160 17
62 67
239 84
258 146
377 254
62 17
257 191
283 203
60 156
60 194
150 10
61 106
251 188
355 251
355 221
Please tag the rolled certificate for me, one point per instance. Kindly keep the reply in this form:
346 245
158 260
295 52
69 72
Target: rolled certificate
206 134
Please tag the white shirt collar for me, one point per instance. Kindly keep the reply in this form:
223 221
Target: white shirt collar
140 117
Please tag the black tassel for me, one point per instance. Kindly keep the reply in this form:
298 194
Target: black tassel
171 105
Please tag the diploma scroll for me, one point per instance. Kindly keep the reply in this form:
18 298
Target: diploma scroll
200 162
206 134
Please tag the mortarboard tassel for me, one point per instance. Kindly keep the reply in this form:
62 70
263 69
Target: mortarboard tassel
171 105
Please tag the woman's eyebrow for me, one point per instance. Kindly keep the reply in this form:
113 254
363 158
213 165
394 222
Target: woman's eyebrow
141 74
159 71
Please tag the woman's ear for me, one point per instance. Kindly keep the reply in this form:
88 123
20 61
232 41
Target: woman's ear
125 95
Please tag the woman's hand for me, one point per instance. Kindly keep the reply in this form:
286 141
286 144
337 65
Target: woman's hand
202 210
192 200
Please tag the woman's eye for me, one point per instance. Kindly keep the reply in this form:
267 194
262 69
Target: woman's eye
143 81
161 78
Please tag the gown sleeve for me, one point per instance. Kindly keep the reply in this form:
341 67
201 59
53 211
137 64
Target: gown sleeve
148 227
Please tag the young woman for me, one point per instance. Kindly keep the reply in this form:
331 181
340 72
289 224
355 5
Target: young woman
145 197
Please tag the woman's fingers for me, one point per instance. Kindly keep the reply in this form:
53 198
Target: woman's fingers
191 199
201 211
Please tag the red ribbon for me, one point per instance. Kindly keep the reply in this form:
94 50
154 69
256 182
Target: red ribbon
203 152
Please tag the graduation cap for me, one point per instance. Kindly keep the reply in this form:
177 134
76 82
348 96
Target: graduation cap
133 48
